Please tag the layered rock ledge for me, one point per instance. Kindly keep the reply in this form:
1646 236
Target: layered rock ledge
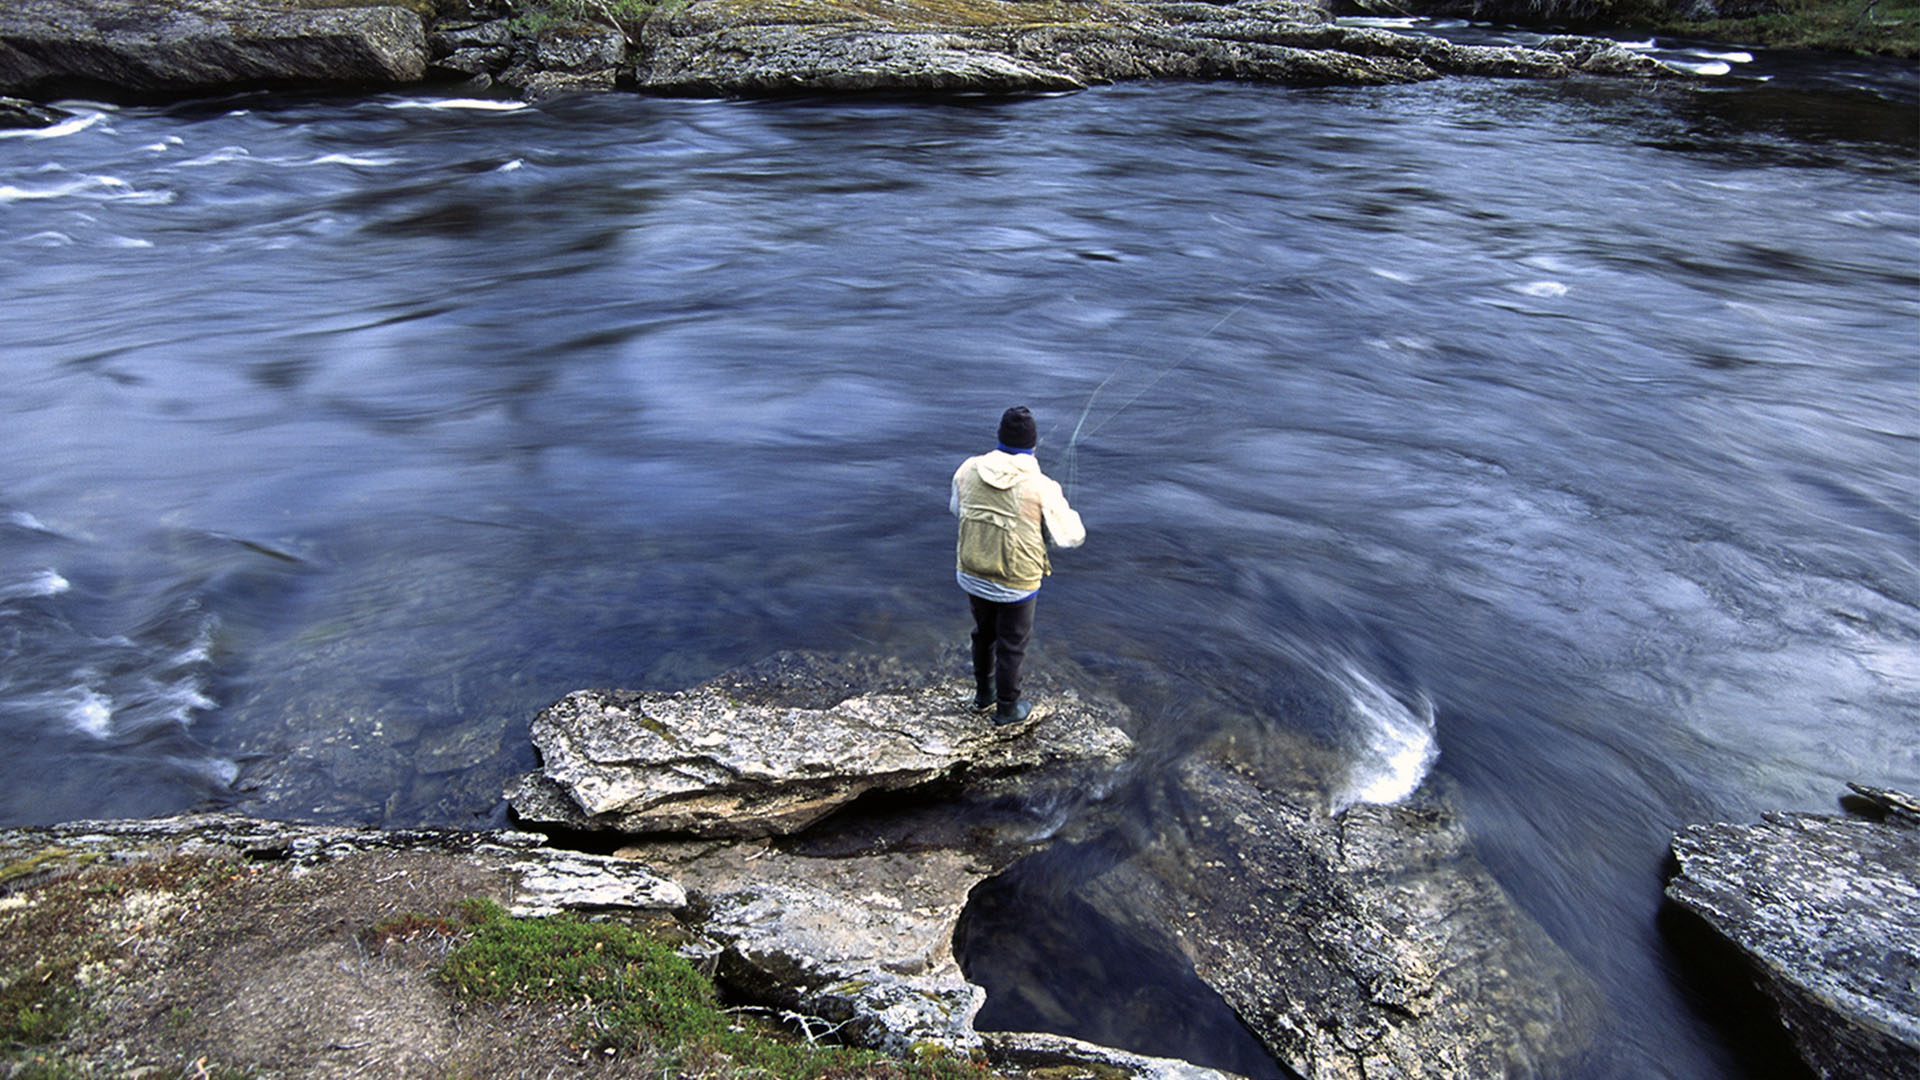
1827 912
740 47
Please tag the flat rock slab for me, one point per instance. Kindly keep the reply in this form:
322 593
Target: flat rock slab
545 880
193 45
707 762
1828 911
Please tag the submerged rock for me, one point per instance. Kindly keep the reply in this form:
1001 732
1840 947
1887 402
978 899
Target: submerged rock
706 762
184 46
1827 911
15 113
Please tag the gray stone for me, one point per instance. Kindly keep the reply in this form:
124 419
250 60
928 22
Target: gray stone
1827 910
1038 1050
488 61
15 113
549 880
706 762
575 881
1366 944
448 38
730 47
861 946
580 48
198 45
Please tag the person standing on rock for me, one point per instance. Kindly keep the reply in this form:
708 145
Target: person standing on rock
1009 510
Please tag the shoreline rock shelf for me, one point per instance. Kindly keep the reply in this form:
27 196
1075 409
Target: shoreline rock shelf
739 48
818 848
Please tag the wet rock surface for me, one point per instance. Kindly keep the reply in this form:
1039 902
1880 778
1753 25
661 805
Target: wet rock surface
1826 910
1371 943
186 46
16 113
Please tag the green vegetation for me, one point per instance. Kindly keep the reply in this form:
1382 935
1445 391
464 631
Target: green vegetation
1882 27
76 927
633 994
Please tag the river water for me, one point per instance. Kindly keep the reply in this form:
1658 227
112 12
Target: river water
1554 443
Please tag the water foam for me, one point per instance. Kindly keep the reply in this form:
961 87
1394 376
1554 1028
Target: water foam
44 583
475 104
23 520
351 159
89 711
1710 67
71 126
1395 747
102 187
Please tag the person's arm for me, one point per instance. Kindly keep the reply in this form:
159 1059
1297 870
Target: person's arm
953 500
1064 527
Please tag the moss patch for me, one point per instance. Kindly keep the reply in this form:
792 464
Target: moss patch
1877 27
632 993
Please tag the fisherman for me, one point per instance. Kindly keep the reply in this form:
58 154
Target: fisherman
1009 510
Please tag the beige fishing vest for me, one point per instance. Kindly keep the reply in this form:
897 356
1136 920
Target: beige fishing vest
1000 535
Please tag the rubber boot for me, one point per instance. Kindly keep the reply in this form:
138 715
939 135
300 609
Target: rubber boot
983 695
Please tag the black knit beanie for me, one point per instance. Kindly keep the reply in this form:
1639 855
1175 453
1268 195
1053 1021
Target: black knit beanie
1017 430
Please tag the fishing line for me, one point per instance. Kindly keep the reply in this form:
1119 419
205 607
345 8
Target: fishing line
1072 455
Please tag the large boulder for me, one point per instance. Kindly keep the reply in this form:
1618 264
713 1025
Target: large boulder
1365 943
1827 912
706 762
187 46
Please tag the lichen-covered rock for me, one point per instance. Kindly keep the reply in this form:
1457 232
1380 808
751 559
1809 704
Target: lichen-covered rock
740 47
1827 910
861 944
1039 1053
705 762
1366 944
197 45
549 880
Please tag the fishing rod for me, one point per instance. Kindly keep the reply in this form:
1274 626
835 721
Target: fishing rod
1072 455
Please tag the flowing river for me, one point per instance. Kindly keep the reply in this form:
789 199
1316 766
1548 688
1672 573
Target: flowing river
1557 443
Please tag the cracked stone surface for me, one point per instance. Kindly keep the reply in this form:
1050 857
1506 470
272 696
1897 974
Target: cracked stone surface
1827 909
708 763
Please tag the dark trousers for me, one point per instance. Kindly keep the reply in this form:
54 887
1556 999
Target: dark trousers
1000 633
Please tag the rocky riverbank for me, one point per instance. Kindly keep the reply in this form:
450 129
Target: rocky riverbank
813 833
126 49
1346 943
